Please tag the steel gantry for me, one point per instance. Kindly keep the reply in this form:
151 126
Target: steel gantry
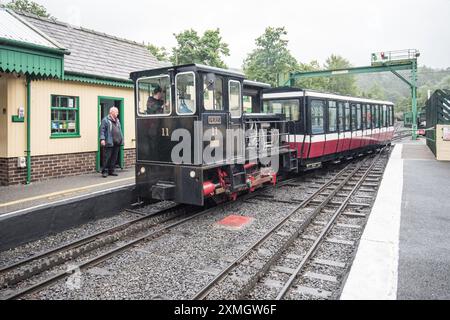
392 61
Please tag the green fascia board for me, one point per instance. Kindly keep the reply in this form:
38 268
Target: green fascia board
97 80
30 62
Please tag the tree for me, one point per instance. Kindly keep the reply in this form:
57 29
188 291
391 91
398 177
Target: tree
375 92
271 58
159 53
207 49
28 7
340 84
319 83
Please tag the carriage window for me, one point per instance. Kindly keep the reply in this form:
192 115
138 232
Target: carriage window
347 116
376 122
358 117
369 117
154 96
213 97
317 107
363 113
341 116
234 94
384 122
332 116
185 91
391 116
353 111
290 108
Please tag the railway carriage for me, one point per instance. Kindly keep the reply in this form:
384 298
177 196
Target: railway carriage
329 127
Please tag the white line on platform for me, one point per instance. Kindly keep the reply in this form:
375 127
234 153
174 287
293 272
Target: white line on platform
374 272
63 200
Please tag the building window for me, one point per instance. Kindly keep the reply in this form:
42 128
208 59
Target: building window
65 116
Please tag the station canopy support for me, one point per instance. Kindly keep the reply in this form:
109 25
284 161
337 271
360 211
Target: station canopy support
388 61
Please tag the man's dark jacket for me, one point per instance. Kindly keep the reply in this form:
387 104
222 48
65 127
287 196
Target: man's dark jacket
106 131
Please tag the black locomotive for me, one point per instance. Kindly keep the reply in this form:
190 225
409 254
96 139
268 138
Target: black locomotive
195 142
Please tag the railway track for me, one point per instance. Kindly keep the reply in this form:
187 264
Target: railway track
25 277
41 270
310 223
24 270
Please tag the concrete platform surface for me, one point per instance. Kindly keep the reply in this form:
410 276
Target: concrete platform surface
24 197
405 249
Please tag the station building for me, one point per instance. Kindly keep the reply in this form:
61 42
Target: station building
57 82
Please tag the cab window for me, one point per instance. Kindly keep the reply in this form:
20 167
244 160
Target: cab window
234 96
213 96
185 93
154 98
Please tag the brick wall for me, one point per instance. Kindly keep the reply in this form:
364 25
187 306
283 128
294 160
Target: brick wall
129 157
3 171
54 166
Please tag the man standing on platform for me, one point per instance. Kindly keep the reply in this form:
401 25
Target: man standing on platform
111 138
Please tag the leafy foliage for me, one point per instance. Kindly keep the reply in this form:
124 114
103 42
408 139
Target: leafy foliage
28 7
271 59
341 84
159 53
207 49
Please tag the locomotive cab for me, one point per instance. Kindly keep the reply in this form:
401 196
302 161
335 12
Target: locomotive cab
191 141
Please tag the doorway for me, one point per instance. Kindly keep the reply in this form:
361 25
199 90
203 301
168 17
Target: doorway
104 104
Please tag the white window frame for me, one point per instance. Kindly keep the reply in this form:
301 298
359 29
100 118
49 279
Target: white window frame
240 99
176 94
139 101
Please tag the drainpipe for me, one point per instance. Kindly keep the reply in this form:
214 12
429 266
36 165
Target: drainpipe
28 130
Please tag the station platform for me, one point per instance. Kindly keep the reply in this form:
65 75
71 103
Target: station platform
29 212
18 198
404 252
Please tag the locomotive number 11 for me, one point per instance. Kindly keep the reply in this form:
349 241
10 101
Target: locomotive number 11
165 132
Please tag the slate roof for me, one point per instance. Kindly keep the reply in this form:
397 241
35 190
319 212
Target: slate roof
16 28
94 53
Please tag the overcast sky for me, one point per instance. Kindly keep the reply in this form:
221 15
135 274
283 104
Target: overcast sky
316 28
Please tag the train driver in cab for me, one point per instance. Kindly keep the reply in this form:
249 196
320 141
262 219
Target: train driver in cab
155 103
